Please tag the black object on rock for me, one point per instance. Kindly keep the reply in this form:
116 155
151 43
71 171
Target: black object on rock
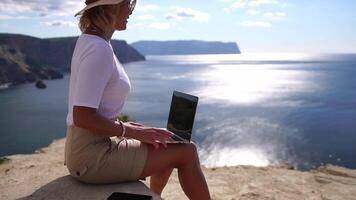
128 196
40 84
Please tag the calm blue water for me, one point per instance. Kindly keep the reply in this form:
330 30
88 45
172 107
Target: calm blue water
258 109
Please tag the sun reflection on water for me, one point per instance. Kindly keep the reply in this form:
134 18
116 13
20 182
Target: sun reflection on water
246 78
236 156
244 141
247 83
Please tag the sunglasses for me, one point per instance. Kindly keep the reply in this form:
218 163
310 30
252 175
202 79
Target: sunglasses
131 5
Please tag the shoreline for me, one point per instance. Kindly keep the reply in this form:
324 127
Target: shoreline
42 174
9 85
6 85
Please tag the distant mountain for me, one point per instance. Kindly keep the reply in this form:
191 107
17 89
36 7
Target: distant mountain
183 47
27 59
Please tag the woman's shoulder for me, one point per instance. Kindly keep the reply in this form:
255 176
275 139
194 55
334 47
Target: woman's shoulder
93 41
92 44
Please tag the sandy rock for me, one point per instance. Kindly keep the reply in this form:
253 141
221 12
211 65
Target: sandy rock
42 175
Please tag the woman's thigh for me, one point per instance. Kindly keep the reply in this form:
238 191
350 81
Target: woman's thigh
173 156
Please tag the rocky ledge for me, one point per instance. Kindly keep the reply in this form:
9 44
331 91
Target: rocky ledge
42 175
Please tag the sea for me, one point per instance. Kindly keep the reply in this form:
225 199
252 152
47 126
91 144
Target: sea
256 109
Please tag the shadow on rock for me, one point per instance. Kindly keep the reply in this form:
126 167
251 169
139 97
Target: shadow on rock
67 187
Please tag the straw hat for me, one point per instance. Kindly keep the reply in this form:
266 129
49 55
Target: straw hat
91 4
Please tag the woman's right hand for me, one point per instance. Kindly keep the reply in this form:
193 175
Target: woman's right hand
149 135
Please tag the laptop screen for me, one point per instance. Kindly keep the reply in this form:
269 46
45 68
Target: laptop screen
181 114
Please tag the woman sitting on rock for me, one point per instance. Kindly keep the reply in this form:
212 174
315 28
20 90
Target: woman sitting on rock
96 151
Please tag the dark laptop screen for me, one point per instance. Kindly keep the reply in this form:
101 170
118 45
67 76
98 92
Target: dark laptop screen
181 114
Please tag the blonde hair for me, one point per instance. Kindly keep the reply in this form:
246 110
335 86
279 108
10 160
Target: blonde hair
101 18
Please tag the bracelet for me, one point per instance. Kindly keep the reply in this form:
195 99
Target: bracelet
123 129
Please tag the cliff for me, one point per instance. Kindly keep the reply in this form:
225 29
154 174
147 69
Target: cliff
42 175
26 59
185 47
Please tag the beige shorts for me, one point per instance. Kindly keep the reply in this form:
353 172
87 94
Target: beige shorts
93 158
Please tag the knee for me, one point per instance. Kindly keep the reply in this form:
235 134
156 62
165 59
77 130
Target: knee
191 152
187 153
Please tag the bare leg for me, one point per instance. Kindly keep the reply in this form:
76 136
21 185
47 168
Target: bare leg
185 158
159 180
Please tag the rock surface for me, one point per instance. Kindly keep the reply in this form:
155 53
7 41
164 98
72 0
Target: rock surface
42 175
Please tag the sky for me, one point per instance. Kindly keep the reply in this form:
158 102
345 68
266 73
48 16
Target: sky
306 26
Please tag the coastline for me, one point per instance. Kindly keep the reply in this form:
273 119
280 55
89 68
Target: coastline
4 86
39 175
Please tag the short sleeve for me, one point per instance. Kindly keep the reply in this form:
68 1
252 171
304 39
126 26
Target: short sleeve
94 72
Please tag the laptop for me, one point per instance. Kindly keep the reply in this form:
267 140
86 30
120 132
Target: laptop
181 117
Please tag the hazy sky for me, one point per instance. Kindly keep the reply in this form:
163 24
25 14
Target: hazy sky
312 26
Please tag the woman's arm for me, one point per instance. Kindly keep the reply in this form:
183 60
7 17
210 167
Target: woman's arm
88 118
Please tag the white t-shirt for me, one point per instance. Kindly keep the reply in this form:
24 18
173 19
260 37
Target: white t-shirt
97 78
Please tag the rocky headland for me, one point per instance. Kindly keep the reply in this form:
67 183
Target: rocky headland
28 59
42 175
